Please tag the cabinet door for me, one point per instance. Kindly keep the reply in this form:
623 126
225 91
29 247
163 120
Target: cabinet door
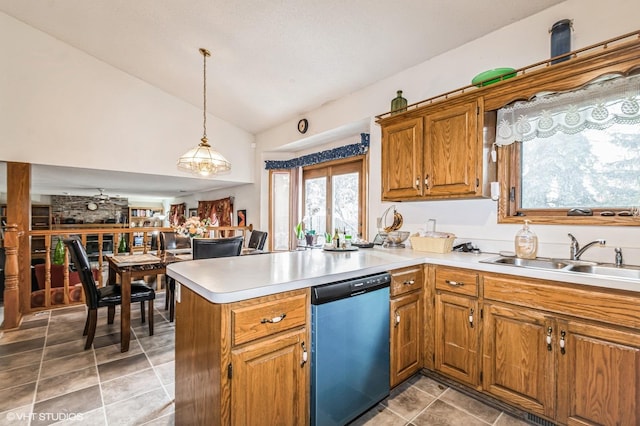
406 336
269 384
518 364
402 160
452 152
457 337
598 375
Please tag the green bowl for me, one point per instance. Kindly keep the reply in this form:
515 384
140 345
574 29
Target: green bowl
493 76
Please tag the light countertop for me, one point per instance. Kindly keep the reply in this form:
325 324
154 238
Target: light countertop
231 279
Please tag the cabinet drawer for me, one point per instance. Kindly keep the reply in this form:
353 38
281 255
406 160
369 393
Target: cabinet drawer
263 319
457 281
406 280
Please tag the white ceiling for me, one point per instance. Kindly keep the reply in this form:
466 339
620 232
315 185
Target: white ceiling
272 60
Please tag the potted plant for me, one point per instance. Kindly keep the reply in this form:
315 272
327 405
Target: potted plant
299 230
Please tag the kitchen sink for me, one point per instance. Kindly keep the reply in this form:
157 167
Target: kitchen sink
542 263
569 266
608 269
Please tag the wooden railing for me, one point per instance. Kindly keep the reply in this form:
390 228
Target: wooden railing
138 241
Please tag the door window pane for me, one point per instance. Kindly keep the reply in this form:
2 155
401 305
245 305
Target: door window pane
315 205
345 206
281 184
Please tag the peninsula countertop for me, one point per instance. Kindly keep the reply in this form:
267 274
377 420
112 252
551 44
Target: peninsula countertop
232 279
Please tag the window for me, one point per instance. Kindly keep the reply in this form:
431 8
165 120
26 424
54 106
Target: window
334 195
576 156
281 189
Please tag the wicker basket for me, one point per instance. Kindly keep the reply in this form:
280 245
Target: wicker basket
432 245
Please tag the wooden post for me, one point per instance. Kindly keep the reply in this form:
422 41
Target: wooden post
12 312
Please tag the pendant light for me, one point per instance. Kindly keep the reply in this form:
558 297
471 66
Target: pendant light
203 160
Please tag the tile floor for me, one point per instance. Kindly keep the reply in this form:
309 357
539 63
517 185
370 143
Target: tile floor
47 377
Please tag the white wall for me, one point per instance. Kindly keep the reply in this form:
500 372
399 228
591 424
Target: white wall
516 45
60 106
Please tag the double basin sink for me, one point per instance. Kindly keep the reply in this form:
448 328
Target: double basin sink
565 265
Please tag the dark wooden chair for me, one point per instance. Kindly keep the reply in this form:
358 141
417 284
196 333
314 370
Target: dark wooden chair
257 240
108 296
206 248
172 241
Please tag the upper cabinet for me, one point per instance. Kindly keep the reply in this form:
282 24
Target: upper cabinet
433 154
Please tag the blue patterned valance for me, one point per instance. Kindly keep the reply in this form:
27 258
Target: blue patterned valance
320 157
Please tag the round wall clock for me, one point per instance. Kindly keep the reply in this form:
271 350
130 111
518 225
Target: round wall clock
303 125
92 206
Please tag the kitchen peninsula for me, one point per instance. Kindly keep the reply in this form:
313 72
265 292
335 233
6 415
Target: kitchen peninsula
243 333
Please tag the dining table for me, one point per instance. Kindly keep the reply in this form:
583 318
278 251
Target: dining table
130 267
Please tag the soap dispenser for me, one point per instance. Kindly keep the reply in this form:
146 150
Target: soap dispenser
526 242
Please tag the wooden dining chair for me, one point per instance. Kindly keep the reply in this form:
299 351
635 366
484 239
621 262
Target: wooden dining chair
206 248
257 240
172 241
108 296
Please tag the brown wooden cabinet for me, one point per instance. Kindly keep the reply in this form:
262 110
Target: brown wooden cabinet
242 363
433 153
40 221
517 365
406 318
457 325
564 352
453 152
402 159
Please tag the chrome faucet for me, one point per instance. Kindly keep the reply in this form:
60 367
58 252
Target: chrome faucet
576 251
619 260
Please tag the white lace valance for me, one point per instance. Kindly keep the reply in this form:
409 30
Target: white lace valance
596 106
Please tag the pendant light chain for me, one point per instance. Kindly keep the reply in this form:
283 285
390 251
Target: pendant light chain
205 53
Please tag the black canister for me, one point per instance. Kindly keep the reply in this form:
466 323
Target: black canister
561 39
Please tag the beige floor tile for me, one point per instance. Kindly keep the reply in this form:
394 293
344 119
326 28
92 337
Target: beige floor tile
20 416
129 386
75 362
67 382
140 409
68 405
18 376
407 401
167 372
379 416
22 358
17 396
123 366
507 420
442 414
470 405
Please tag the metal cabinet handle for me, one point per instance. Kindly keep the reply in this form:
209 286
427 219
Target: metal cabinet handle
397 319
273 320
409 282
548 339
426 181
562 341
471 318
455 283
304 355
418 181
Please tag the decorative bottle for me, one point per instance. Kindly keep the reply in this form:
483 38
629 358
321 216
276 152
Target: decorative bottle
336 239
526 243
58 253
122 245
398 104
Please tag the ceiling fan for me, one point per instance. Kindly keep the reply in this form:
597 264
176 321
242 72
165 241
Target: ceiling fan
101 197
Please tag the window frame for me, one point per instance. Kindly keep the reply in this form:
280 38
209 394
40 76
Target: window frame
337 167
293 204
510 210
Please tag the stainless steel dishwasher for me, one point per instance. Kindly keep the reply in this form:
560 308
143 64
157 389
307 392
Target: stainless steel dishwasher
349 348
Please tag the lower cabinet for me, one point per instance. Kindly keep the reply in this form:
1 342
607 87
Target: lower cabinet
269 385
518 363
242 363
406 323
568 354
598 374
406 338
457 325
456 342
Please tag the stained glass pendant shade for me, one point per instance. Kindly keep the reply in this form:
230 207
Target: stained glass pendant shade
203 160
